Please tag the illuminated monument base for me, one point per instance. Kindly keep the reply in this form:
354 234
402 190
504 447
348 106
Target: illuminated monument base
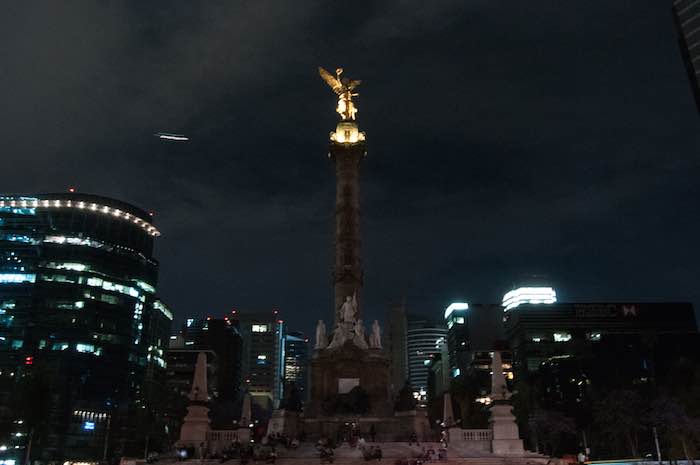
351 396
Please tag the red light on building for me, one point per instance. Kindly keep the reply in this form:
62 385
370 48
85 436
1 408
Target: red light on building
208 318
71 190
280 321
29 360
275 312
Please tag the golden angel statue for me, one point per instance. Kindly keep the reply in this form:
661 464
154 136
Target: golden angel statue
344 88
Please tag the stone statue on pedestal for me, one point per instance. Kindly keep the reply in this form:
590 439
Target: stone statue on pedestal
375 339
339 337
349 309
321 338
359 339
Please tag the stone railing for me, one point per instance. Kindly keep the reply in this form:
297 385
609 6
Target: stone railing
471 434
223 435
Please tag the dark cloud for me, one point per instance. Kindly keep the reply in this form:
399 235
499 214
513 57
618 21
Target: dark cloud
505 139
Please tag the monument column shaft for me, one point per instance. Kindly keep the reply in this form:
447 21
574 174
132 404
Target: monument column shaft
347 276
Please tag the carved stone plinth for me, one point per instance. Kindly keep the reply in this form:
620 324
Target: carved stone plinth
337 371
195 426
506 439
284 422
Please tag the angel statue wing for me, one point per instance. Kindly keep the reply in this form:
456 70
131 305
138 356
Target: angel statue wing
353 84
331 80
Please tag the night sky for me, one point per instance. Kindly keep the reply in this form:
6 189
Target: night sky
505 138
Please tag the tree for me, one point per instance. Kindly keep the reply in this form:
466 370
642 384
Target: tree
620 415
677 428
553 429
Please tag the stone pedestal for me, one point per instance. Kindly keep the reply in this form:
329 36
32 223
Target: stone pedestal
243 434
195 426
285 422
506 439
337 371
414 421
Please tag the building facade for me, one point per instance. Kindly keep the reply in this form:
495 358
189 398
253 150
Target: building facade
396 346
79 316
296 363
262 364
687 18
424 339
473 332
537 333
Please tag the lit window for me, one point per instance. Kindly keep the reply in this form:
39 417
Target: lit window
163 309
7 278
66 266
259 328
562 337
456 372
536 339
594 336
85 348
459 320
59 346
145 286
17 344
109 299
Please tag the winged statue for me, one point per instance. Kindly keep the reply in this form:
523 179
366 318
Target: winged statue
344 88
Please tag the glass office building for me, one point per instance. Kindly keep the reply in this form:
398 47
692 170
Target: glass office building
79 315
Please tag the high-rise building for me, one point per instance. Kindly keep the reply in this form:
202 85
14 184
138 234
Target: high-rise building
473 331
396 346
81 328
537 332
296 362
687 17
263 356
424 339
221 336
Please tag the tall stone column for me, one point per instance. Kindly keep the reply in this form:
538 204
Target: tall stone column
347 275
195 425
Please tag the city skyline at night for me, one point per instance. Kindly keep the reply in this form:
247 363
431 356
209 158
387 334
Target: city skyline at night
582 170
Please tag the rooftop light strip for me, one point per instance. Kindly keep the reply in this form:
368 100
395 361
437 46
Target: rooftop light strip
529 295
81 205
455 306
